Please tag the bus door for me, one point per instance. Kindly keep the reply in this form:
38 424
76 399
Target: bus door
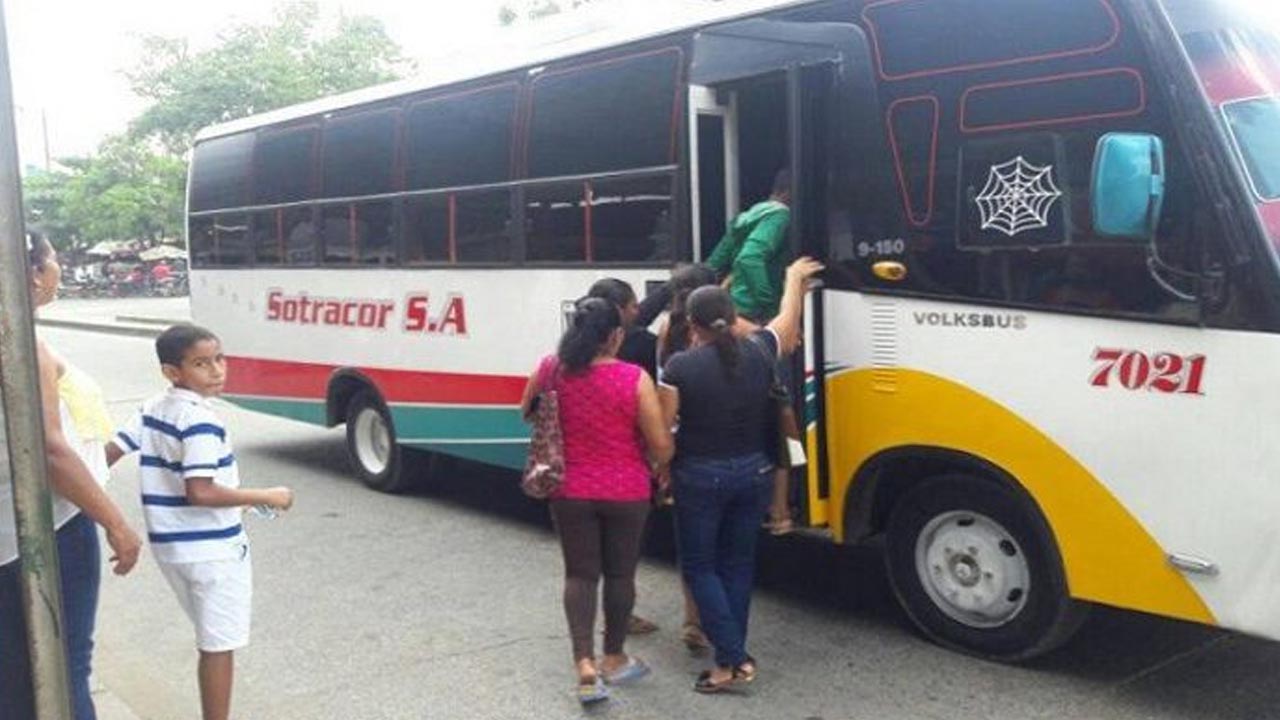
763 98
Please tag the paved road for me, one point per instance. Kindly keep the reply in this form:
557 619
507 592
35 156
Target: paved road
445 604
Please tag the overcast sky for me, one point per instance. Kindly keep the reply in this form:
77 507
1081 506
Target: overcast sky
67 55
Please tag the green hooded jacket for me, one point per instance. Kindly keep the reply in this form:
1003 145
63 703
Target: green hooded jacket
754 252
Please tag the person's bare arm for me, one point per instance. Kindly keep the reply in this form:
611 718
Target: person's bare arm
70 479
669 400
113 454
657 433
204 492
787 324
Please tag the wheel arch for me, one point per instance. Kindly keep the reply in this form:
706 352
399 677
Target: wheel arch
344 384
889 475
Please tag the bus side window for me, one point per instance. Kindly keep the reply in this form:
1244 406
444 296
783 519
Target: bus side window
231 239
482 226
298 224
200 233
264 231
631 220
426 229
555 219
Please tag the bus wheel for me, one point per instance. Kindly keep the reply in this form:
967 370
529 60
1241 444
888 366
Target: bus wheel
976 569
371 444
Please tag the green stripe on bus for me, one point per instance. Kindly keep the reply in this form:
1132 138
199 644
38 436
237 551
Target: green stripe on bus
428 428
308 411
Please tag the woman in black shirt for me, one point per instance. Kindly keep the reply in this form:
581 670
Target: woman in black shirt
723 473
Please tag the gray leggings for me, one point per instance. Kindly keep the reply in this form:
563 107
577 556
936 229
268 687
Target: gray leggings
599 537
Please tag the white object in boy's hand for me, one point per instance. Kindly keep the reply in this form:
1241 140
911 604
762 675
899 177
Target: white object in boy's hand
266 512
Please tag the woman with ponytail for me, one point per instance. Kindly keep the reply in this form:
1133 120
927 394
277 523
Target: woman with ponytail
719 392
614 440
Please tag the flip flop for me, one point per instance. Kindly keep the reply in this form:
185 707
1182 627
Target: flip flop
592 692
746 671
781 527
637 625
629 673
694 639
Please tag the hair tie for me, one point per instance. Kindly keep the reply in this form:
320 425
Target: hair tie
719 325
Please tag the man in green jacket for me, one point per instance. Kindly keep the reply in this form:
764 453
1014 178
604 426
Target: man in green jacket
754 253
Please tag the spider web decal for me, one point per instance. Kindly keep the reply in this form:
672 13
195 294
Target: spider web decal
1018 197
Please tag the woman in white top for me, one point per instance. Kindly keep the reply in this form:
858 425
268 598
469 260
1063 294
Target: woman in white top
73 416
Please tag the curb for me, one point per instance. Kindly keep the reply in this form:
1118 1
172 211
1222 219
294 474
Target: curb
109 328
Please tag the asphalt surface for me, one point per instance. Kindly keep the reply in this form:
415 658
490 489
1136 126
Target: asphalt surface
446 604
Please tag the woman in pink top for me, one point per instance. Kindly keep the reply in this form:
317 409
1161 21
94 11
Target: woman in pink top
614 438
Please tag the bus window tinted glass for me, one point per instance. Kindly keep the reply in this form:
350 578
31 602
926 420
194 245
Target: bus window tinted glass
555 218
375 232
359 154
283 166
482 226
200 237
631 220
265 231
605 116
220 172
426 229
335 235
231 238
460 140
298 224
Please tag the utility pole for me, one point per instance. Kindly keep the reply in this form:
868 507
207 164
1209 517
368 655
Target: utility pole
24 429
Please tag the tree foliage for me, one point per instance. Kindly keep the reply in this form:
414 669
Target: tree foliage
256 68
124 191
132 188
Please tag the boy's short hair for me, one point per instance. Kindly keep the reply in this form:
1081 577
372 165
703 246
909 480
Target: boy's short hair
175 341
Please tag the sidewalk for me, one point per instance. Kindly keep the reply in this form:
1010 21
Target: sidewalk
143 317
109 706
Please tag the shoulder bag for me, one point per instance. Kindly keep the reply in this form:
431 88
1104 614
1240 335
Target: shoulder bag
544 468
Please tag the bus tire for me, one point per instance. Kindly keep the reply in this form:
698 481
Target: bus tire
976 569
371 444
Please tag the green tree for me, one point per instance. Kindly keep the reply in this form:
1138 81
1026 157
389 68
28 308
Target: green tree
126 191
256 68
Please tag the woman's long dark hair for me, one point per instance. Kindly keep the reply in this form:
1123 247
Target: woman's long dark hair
590 327
711 310
38 250
684 281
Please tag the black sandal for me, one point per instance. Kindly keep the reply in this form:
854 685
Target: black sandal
707 686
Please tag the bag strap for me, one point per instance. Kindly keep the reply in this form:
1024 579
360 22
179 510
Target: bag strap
758 344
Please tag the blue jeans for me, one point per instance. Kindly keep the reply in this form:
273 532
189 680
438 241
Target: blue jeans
719 505
80 562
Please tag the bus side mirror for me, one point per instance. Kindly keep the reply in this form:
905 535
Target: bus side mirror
1127 193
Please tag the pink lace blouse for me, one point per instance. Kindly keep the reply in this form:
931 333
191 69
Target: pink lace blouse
604 451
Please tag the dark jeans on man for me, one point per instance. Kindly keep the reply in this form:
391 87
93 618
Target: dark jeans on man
80 561
719 504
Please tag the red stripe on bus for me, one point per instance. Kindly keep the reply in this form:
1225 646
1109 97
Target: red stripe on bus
286 379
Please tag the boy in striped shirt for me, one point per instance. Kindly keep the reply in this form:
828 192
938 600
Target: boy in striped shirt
192 501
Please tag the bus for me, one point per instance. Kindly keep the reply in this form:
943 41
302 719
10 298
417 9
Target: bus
1039 366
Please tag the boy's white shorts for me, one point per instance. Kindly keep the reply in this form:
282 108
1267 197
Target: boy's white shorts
217 595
